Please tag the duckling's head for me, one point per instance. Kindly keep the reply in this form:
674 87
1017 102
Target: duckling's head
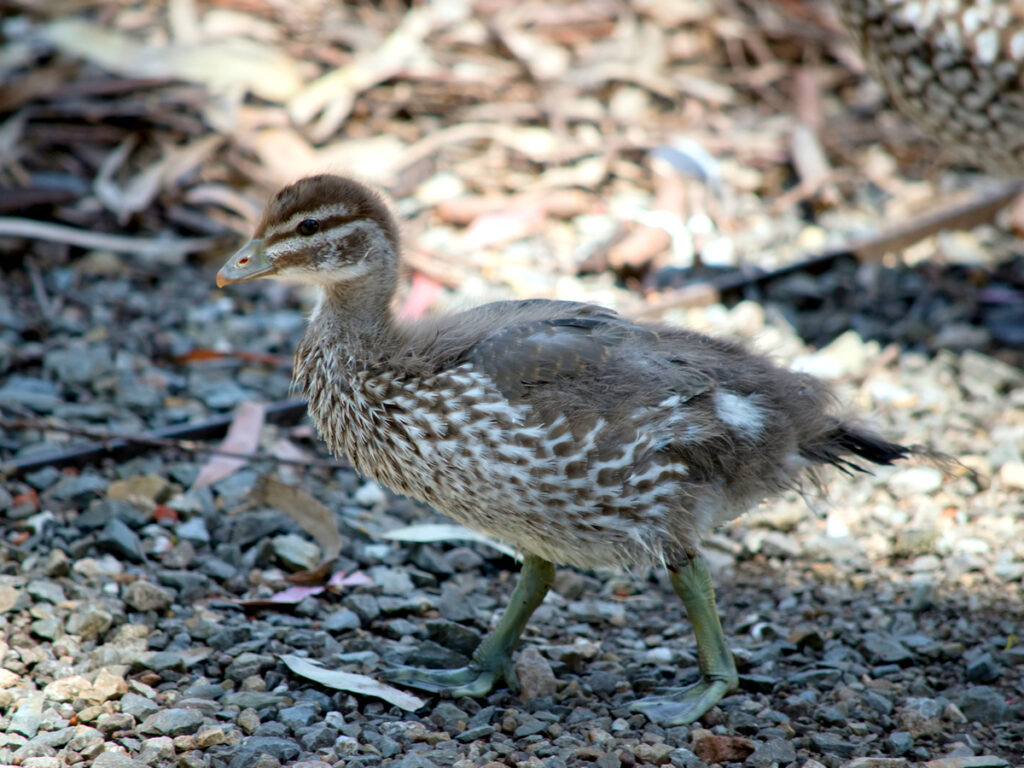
323 230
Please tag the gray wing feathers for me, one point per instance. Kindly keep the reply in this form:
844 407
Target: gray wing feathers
602 354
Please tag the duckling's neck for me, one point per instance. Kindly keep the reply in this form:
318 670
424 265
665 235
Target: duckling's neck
342 360
355 324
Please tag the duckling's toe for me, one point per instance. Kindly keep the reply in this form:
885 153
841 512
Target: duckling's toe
681 706
473 680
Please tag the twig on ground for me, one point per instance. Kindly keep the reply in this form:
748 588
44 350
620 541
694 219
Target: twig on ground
11 226
176 437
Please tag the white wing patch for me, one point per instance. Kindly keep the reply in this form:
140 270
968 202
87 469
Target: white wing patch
739 412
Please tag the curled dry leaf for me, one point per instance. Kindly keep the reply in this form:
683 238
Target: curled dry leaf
286 598
355 579
291 596
427 532
545 60
243 437
347 681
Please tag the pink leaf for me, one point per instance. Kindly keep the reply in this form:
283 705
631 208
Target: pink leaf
295 594
354 579
243 437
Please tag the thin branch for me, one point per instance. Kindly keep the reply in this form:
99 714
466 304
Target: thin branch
124 445
11 226
188 446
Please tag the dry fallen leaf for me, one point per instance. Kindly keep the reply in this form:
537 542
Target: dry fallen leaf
221 65
427 532
286 598
284 154
354 579
347 681
310 513
243 437
203 354
291 596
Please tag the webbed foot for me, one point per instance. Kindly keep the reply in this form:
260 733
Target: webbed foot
680 706
473 680
492 660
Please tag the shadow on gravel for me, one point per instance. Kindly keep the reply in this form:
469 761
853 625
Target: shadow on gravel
925 307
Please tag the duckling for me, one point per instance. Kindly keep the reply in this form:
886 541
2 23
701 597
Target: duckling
571 433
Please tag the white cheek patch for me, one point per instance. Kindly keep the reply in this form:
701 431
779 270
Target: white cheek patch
338 274
739 412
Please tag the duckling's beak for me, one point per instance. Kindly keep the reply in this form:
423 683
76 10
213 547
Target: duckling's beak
249 263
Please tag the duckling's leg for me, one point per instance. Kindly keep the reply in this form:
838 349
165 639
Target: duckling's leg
492 660
692 583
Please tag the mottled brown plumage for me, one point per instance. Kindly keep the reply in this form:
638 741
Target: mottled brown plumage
565 430
954 68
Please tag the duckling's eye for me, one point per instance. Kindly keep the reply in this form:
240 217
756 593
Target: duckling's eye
308 227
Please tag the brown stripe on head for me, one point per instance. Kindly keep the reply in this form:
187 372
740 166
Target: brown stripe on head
327 223
315 192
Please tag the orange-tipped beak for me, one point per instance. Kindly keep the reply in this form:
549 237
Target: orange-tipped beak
248 264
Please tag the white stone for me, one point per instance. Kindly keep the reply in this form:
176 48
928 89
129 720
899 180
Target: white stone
908 482
1011 475
370 495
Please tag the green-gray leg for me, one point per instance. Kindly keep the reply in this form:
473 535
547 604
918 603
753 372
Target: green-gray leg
692 583
492 660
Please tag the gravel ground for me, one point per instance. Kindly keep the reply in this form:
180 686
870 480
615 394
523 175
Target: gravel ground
877 629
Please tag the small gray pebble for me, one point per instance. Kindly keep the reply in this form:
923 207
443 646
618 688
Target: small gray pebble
298 716
365 606
983 669
121 541
139 707
984 704
342 621
172 722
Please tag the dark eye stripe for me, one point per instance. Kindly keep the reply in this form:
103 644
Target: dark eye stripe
326 225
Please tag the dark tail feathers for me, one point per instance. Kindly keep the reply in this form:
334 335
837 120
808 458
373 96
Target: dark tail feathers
846 440
870 446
